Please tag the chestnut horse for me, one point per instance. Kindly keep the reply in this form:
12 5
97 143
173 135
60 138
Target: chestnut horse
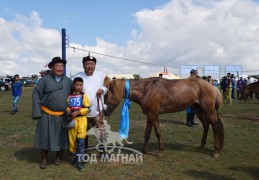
157 96
248 90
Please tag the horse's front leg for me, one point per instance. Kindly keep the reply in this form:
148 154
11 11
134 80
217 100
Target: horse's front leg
159 138
148 130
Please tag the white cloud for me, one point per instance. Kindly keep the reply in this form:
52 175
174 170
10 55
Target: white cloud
179 33
26 46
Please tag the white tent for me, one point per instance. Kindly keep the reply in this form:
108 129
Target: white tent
121 76
166 75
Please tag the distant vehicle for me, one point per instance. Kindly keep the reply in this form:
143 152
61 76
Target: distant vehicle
27 82
4 86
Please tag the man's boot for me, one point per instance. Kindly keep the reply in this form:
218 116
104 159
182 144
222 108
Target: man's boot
58 157
192 120
43 158
188 123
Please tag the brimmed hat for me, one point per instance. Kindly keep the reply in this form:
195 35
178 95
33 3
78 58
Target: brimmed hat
88 58
69 124
56 60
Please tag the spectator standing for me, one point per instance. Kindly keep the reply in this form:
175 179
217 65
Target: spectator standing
224 85
17 91
240 85
229 89
233 79
190 111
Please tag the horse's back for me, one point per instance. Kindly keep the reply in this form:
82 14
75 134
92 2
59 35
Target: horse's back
165 95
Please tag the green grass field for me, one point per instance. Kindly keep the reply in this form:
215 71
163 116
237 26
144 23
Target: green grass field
239 158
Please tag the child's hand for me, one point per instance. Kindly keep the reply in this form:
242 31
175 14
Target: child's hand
75 113
68 111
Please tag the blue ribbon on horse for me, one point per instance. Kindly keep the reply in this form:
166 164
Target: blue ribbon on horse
124 123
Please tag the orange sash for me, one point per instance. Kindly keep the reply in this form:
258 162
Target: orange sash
50 112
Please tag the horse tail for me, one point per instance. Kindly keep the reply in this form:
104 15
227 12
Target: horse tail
128 141
220 125
219 101
220 122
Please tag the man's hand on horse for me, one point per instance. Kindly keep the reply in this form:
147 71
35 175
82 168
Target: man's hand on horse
99 92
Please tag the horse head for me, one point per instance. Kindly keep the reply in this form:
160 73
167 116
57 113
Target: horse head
114 94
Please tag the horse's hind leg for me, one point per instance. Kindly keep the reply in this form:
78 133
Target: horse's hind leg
216 141
205 128
159 138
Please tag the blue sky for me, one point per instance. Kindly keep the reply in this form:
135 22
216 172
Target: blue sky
169 33
84 20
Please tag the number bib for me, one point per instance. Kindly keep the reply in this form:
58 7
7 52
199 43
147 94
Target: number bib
75 102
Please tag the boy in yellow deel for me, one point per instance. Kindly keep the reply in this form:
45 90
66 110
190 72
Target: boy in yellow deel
78 108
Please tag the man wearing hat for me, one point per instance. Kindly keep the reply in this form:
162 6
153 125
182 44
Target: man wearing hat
190 112
93 87
49 99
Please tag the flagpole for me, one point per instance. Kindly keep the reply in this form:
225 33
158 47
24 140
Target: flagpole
64 46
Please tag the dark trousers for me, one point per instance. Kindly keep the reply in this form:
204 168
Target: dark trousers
233 93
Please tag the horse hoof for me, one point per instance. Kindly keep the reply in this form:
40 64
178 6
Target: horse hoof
159 155
215 155
201 147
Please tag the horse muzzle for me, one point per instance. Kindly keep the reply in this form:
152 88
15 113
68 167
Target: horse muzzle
107 112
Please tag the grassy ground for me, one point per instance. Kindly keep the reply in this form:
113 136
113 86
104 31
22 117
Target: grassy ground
238 160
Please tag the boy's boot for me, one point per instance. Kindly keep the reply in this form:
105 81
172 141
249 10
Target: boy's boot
79 153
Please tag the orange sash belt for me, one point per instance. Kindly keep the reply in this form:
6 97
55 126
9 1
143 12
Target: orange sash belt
50 112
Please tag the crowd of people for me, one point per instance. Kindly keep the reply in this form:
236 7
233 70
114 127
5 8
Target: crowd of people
231 86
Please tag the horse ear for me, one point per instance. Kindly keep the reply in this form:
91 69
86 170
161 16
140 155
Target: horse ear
106 81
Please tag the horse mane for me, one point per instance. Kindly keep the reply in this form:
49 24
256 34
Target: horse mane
117 84
106 81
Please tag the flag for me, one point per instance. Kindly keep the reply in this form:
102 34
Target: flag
46 65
